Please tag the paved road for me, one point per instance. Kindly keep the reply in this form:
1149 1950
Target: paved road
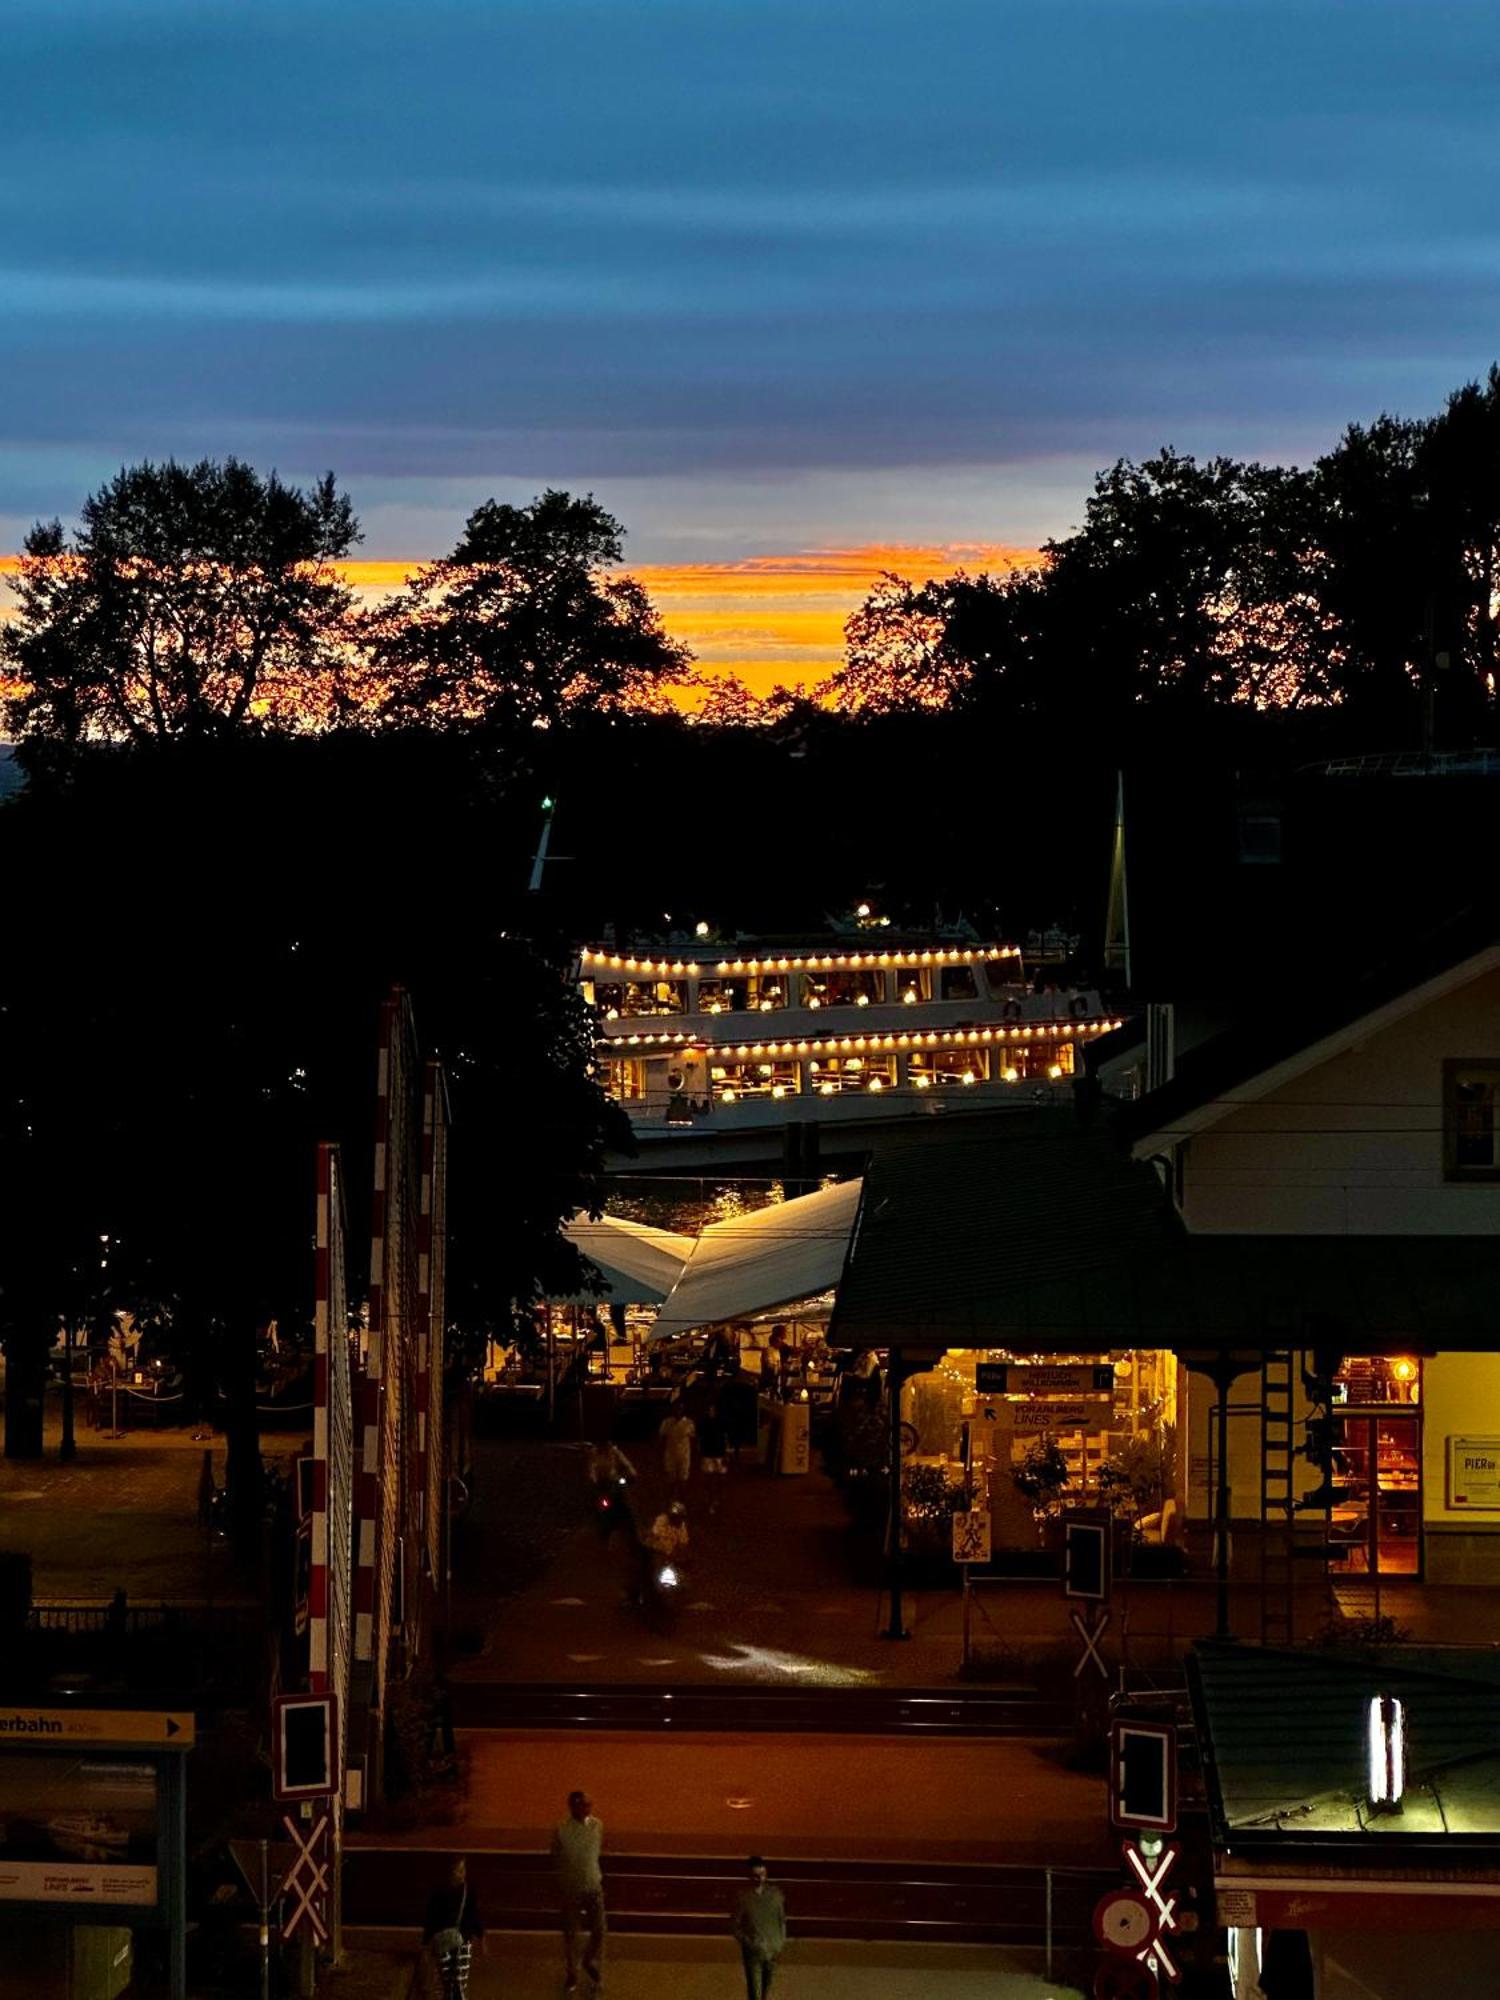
986 1799
522 1967
865 1901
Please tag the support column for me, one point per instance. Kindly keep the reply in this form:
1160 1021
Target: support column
896 1629
1221 1511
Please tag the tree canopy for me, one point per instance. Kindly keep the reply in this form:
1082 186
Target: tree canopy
172 1053
1369 581
521 626
192 601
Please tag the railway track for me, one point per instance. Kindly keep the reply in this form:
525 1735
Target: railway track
682 1708
942 1902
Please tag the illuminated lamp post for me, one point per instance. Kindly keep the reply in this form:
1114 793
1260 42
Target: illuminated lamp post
1386 1744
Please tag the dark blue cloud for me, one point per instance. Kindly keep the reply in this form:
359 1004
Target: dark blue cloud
482 243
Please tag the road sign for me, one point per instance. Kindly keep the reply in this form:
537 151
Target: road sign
304 1747
279 1856
148 1727
1124 1921
1086 1560
306 1883
1064 1378
971 1537
1151 1875
1091 1627
1143 1775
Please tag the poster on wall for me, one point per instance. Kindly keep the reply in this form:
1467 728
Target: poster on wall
78 1827
1474 1473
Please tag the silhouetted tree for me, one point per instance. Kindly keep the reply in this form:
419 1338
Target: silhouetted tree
522 626
192 601
172 1054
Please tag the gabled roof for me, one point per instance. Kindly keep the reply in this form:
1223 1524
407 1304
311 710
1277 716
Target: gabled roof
1314 1024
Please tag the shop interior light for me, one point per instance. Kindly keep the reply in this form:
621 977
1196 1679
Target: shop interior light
1404 1369
1387 1753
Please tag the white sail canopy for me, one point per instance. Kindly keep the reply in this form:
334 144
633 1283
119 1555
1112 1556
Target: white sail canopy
639 1265
771 1257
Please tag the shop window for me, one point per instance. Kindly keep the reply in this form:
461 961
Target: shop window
1377 1379
631 1000
958 983
735 1081
1471 1094
941 1069
835 1076
914 985
625 1079
845 989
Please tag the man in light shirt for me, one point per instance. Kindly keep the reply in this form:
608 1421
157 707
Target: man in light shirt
576 1842
759 1928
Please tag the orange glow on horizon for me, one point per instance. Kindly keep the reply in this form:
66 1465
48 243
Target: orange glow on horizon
770 619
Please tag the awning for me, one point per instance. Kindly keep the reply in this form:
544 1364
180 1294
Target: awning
639 1265
771 1257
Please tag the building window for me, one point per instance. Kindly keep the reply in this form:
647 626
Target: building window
735 1081
1365 1379
835 1076
765 992
943 1067
625 1079
633 999
845 989
721 996
1471 1095
914 985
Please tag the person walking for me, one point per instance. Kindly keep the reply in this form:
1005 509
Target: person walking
448 1937
677 1433
759 1927
576 1845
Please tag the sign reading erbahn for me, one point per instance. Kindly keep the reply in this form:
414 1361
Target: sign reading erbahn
97 1725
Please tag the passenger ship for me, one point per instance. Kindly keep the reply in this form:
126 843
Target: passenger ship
708 1039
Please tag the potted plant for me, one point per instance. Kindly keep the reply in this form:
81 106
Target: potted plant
1041 1478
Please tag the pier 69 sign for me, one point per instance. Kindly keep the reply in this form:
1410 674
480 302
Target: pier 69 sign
1474 1473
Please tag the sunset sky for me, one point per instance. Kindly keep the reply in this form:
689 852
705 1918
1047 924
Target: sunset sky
795 287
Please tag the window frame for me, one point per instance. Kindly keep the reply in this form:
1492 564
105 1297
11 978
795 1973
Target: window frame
1454 1069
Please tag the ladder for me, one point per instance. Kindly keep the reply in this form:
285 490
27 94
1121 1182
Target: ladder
1278 1534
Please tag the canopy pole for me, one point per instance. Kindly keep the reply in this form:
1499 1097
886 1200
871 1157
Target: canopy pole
551 1367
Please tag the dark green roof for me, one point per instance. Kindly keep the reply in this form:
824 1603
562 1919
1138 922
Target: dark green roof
1284 1736
1036 1234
